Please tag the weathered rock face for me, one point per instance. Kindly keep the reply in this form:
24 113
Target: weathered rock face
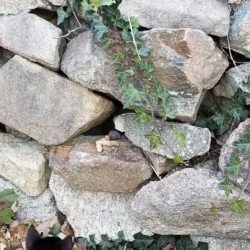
185 60
228 149
101 212
41 207
15 7
179 204
115 169
35 39
197 139
24 163
46 106
239 29
212 17
233 79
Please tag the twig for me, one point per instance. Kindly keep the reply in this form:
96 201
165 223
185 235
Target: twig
68 33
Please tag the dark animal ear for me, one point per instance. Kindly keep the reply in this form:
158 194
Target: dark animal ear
32 236
67 243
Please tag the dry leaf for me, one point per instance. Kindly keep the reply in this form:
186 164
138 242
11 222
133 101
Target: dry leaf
47 225
81 245
67 229
15 206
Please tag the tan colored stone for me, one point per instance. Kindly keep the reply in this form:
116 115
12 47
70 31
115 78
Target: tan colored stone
116 169
45 106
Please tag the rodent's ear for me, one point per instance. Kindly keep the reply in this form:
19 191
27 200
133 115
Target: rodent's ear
32 236
67 243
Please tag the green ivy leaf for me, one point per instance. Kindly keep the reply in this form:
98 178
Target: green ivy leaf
180 137
126 36
8 195
243 143
148 67
91 243
237 206
220 120
120 238
105 244
141 115
202 246
234 165
154 140
162 242
166 112
247 128
141 241
184 243
134 22
106 41
235 110
85 6
117 56
100 29
53 232
122 75
226 186
143 51
177 159
61 15
6 215
131 95
214 209
158 92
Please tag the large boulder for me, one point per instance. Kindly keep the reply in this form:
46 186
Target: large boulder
96 212
212 16
24 163
35 39
116 169
46 106
179 204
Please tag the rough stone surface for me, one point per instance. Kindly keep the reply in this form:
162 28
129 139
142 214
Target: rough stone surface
179 205
100 212
228 149
115 169
212 16
222 243
24 163
233 79
14 7
41 207
35 39
49 108
197 139
190 57
239 29
160 163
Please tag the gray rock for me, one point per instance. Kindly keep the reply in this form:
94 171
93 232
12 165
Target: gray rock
239 29
41 207
100 212
47 107
179 204
197 139
18 6
116 169
222 243
233 79
228 149
212 16
24 163
35 39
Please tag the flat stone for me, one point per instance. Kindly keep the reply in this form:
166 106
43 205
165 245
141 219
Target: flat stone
42 38
116 169
24 163
197 139
45 106
101 212
239 29
233 79
42 207
179 204
212 16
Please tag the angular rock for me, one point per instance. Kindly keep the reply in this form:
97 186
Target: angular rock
233 79
228 149
15 7
5 56
197 139
101 212
179 204
49 108
239 29
116 169
24 163
35 39
222 243
41 207
212 16
160 163
190 57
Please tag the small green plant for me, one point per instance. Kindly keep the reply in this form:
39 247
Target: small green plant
7 196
